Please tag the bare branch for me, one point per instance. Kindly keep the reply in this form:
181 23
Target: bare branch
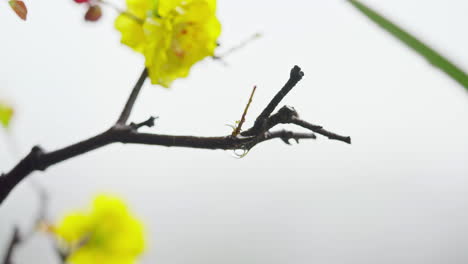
41 217
132 98
14 242
286 135
41 214
259 125
320 130
288 115
38 159
237 47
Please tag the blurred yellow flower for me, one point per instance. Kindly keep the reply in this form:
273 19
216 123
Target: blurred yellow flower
107 234
6 113
171 34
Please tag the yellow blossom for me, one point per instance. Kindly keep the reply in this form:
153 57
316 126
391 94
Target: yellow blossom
107 234
6 113
171 34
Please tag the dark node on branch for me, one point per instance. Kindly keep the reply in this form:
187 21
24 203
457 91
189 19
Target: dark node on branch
147 123
36 153
283 116
287 112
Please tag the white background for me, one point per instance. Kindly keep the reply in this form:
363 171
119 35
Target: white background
398 194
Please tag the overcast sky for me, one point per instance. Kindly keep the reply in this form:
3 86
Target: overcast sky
398 194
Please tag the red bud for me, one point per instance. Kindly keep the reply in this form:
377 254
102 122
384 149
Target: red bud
93 14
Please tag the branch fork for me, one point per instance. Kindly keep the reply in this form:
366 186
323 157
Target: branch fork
39 159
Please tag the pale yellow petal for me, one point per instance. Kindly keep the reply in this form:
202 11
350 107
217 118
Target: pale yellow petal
132 32
166 6
74 227
108 234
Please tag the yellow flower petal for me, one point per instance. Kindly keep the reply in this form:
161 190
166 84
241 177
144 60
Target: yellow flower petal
166 6
73 227
132 32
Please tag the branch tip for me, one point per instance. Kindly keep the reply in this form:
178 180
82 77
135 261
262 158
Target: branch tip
294 77
296 72
348 140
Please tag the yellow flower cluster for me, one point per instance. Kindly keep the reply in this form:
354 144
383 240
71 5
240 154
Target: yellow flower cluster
171 34
108 234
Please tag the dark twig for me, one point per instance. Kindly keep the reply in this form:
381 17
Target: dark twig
38 159
14 242
132 98
41 216
147 123
320 130
259 125
237 47
42 220
288 115
286 135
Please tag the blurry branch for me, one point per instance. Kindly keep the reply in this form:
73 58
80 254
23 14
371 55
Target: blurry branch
43 208
17 239
39 160
14 242
132 98
435 58
223 55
